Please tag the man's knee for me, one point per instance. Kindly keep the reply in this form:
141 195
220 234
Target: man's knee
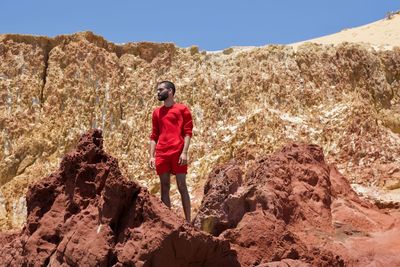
181 182
165 180
165 186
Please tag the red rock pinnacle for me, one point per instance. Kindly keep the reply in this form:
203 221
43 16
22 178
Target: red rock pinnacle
88 214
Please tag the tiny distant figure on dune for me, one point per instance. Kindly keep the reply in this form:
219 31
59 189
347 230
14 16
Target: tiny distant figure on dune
172 127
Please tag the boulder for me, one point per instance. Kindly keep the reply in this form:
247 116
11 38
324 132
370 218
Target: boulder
292 208
88 214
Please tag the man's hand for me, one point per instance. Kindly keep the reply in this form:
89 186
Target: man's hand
152 163
183 159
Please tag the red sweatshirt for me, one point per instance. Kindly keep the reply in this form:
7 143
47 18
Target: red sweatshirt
170 126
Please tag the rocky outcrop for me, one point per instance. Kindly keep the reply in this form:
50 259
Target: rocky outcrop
88 214
292 205
344 98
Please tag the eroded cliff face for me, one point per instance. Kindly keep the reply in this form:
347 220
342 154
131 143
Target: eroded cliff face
245 103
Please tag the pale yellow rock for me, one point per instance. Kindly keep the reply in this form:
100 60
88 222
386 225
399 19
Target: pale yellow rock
381 34
392 184
245 103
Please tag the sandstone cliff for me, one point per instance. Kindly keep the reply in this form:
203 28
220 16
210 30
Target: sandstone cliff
245 102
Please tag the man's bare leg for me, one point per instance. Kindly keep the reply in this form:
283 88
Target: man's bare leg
181 182
165 185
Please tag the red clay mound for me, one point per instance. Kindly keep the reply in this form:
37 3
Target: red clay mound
291 209
88 214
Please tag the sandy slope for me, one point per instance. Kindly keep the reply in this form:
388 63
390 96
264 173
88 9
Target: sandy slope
382 34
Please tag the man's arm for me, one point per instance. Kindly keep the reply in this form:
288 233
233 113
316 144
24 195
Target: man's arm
152 160
155 132
187 130
183 159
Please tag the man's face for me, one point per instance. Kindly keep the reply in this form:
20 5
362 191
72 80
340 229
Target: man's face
162 92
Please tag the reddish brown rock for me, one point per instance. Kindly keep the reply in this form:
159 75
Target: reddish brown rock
221 185
291 206
344 98
88 214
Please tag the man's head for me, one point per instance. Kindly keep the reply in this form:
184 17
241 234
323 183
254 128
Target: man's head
165 89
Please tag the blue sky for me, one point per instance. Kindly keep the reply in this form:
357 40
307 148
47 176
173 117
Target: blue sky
211 25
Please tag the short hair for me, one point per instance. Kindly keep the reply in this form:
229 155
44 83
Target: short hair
168 85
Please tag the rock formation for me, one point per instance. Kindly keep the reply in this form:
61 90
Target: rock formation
344 98
289 208
88 214
292 205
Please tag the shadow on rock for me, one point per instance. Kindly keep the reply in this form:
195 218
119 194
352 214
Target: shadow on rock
88 214
290 208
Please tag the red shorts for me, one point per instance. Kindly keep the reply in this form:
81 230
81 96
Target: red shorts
170 164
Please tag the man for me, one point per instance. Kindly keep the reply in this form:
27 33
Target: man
169 144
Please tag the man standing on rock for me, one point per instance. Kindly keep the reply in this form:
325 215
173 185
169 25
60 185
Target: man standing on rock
169 144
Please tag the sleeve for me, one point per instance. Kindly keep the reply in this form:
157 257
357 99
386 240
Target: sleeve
155 132
187 122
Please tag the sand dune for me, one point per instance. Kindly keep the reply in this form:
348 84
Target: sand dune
381 34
